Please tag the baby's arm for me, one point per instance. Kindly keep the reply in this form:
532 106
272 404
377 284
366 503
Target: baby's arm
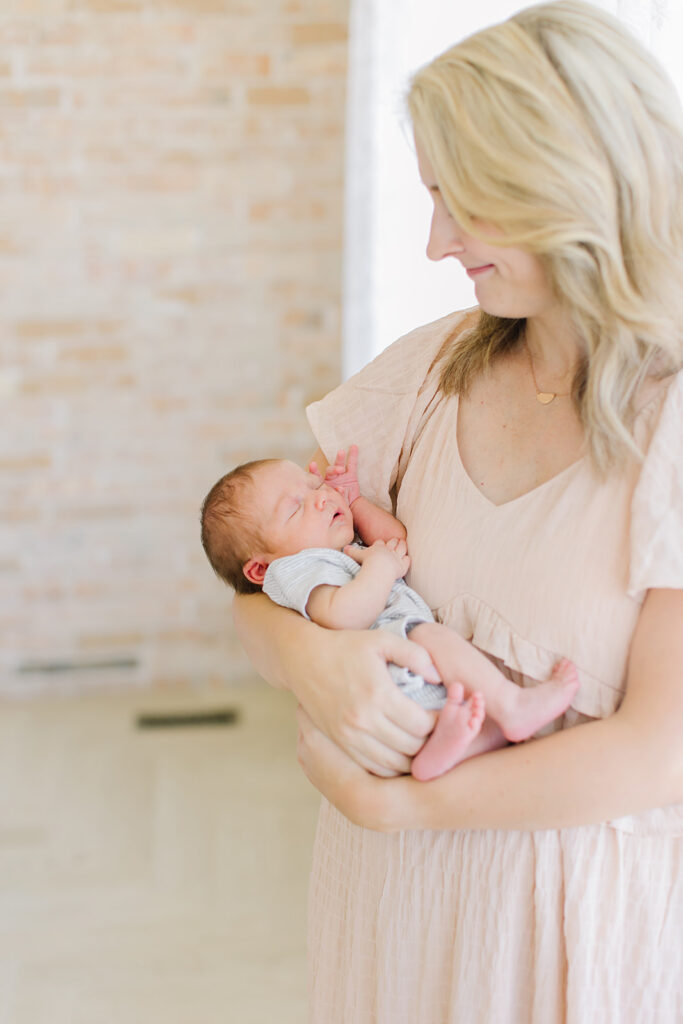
358 603
370 521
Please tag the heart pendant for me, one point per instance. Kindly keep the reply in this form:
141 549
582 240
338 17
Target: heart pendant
544 397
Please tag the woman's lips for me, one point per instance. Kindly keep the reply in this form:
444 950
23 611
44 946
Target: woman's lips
476 271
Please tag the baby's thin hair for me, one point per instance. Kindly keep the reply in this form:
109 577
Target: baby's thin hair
231 533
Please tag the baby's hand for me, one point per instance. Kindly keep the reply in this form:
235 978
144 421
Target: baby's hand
391 553
343 475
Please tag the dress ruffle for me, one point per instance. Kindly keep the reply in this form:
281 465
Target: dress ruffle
529 662
491 633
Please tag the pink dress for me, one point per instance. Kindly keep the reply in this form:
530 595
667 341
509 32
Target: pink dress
581 925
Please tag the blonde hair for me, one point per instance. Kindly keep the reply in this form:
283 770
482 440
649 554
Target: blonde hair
560 129
230 530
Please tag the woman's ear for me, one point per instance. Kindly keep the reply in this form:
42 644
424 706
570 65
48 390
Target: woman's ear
255 570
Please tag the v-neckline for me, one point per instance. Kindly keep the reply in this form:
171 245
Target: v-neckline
520 497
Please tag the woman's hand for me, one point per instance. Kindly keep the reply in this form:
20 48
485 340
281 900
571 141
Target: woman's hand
341 679
346 689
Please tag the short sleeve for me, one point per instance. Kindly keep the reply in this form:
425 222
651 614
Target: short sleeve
657 510
379 407
289 581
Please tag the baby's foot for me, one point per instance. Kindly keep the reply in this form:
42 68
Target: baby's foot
456 726
535 706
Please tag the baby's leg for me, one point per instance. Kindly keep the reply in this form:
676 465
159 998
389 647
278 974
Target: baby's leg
518 711
458 724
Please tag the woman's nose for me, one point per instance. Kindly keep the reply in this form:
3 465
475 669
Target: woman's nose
445 236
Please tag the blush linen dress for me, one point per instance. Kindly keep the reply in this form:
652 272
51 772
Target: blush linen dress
580 925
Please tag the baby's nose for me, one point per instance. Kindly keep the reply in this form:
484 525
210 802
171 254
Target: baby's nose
320 500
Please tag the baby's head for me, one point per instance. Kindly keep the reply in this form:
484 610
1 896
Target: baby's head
265 510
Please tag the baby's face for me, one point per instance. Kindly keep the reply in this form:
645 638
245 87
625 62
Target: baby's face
298 511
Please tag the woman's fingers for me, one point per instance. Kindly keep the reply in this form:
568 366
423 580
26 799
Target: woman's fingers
408 654
376 742
389 722
380 760
369 753
396 747
388 733
345 686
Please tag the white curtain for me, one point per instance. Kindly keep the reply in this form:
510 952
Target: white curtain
652 20
389 286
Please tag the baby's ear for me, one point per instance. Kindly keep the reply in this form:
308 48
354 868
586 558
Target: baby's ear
255 570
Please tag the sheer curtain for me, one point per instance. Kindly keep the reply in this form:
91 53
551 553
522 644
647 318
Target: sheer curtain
389 285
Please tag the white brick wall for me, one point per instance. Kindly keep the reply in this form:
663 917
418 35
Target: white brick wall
170 263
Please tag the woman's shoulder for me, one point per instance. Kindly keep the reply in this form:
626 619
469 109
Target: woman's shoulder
403 366
664 416
380 408
672 387
660 405
657 507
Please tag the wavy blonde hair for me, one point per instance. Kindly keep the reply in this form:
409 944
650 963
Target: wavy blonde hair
560 129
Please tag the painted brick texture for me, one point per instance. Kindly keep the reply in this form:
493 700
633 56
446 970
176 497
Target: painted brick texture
170 258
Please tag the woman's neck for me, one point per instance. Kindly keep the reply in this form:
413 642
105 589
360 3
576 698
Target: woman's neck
553 344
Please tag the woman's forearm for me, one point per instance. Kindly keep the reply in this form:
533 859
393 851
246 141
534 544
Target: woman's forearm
592 773
257 617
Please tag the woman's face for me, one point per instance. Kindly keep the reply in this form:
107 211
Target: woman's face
507 282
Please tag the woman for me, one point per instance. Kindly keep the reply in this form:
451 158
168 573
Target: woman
534 450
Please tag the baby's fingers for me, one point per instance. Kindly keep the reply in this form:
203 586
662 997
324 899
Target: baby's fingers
398 545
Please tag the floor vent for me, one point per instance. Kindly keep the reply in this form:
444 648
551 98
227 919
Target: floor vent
185 719
47 667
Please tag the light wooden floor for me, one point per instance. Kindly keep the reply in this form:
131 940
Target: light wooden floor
151 877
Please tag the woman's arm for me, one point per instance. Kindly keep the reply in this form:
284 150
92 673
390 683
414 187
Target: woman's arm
341 679
624 764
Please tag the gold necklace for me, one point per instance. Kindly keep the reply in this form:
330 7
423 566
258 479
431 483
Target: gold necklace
544 397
